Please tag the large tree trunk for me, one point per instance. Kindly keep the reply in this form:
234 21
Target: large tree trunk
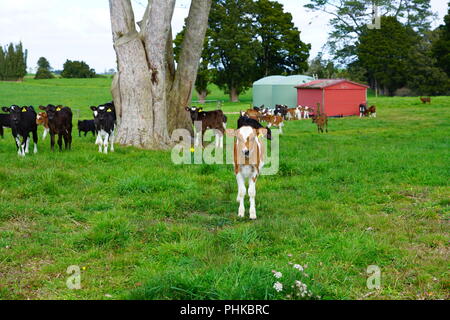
234 95
149 93
202 96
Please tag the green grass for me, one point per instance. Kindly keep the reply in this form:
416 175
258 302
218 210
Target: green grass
371 192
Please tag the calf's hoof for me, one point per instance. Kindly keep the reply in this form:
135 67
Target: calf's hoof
252 214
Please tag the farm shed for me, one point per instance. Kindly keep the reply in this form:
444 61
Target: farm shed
274 90
337 96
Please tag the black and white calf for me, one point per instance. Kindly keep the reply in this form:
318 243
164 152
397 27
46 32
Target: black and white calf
23 122
105 125
4 123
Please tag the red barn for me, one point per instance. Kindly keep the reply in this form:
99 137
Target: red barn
336 96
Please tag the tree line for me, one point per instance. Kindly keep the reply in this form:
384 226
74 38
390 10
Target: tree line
404 56
13 62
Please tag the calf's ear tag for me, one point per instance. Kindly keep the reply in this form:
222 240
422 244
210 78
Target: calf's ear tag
58 109
109 110
24 109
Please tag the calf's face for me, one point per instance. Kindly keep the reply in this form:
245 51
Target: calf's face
41 118
101 112
51 111
246 140
15 113
194 112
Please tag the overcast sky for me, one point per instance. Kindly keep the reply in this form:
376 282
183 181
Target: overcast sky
80 29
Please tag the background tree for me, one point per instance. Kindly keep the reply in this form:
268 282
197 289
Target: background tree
384 53
77 69
441 47
350 19
43 71
13 62
233 46
424 77
281 50
149 91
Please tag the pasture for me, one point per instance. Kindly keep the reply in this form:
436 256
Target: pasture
370 192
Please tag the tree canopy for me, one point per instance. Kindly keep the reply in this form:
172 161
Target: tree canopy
77 69
44 68
441 47
350 18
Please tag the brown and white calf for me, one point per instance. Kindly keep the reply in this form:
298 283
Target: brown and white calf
425 100
248 162
204 120
274 121
371 112
253 114
42 120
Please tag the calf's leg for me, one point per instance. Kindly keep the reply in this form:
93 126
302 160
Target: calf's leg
241 194
252 195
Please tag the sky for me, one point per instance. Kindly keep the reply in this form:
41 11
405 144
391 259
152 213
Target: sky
81 29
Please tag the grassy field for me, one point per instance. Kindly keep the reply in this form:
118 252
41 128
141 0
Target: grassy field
371 192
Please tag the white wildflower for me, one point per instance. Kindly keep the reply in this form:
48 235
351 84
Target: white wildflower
278 286
298 267
278 275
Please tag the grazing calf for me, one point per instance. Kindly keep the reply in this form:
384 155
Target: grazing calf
371 112
5 122
248 162
204 120
86 126
23 122
105 125
425 100
275 121
292 114
362 110
253 114
42 119
321 119
249 122
60 123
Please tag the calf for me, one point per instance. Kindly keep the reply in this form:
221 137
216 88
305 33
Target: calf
276 121
23 122
362 110
42 119
249 155
105 125
425 100
86 126
59 123
281 110
292 113
5 122
253 114
204 120
321 119
249 122
371 112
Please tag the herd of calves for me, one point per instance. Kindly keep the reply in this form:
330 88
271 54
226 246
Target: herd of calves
57 121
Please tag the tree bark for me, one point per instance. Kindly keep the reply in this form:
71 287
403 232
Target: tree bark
202 96
234 95
149 94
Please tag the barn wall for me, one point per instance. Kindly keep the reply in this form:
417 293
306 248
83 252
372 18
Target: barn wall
345 102
309 97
